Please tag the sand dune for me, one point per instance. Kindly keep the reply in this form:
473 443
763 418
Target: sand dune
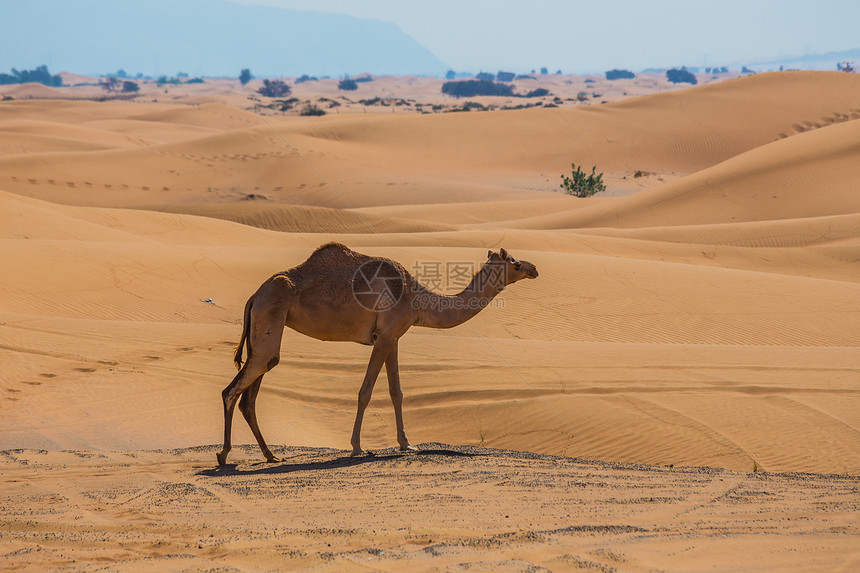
703 314
810 175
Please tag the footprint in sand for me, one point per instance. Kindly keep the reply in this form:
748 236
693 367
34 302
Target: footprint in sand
153 357
32 383
47 375
84 369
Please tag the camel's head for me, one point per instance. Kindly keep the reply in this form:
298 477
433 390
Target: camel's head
514 269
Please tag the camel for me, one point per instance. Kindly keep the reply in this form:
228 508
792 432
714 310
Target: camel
340 295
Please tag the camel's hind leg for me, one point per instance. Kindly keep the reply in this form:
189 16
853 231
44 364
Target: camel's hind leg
247 405
267 328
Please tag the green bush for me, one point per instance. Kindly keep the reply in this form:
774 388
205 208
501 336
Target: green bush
312 110
245 76
620 75
347 85
274 88
472 88
581 185
539 92
677 76
39 75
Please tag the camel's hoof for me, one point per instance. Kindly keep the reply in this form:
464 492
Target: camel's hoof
408 448
273 459
356 452
222 459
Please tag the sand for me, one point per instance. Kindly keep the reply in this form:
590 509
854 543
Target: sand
678 390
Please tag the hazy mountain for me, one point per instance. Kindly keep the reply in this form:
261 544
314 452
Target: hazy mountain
202 37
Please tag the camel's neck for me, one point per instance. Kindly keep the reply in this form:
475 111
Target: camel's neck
446 311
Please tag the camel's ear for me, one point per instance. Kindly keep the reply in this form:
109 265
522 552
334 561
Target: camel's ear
489 254
504 254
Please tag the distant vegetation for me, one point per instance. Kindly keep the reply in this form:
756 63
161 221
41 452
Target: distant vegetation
306 78
471 88
312 110
484 76
677 76
505 76
274 88
178 80
347 85
40 75
539 92
581 185
114 84
620 75
245 76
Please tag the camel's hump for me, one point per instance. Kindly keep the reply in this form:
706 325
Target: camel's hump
335 255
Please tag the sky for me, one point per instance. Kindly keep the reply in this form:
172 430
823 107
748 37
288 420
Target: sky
575 36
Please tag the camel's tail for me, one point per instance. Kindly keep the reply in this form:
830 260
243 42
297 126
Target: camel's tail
246 327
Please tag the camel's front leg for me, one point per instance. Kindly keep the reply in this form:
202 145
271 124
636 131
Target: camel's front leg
381 350
392 370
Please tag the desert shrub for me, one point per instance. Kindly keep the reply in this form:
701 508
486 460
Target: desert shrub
245 76
284 104
469 106
677 76
363 79
347 85
505 76
305 78
620 75
312 110
450 75
544 71
130 87
274 88
196 81
471 88
162 80
539 92
485 76
39 75
110 84
581 185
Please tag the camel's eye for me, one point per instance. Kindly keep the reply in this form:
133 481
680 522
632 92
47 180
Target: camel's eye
518 265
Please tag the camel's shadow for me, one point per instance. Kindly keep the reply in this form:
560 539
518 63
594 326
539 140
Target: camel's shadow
347 461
